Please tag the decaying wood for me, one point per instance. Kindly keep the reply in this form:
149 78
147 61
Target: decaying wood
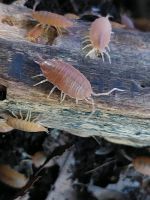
123 117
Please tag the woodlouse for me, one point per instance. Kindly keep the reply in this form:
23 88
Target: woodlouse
99 38
25 124
11 177
68 80
39 158
52 19
35 33
142 164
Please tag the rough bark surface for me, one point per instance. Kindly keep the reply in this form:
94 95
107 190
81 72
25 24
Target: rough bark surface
123 117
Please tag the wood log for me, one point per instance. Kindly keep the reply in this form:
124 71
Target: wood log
123 117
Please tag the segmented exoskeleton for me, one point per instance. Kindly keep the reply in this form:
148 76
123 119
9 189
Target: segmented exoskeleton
26 124
68 80
52 19
99 37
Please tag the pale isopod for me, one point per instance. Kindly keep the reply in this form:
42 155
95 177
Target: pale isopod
38 158
68 80
142 164
11 177
35 33
25 124
99 38
52 19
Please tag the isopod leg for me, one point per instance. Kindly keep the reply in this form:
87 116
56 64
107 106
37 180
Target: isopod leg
90 52
58 30
77 101
108 48
37 75
26 119
63 98
45 80
88 45
61 95
87 36
86 41
35 5
98 142
36 118
14 114
46 28
29 118
107 54
102 54
20 114
91 101
52 90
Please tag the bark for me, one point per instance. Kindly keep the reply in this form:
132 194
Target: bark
123 117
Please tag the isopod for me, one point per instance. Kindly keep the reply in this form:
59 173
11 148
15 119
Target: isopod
39 158
99 38
11 177
35 33
142 164
25 124
68 80
52 19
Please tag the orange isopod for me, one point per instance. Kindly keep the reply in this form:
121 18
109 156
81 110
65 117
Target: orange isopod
99 38
35 33
52 19
68 80
25 124
142 164
11 177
